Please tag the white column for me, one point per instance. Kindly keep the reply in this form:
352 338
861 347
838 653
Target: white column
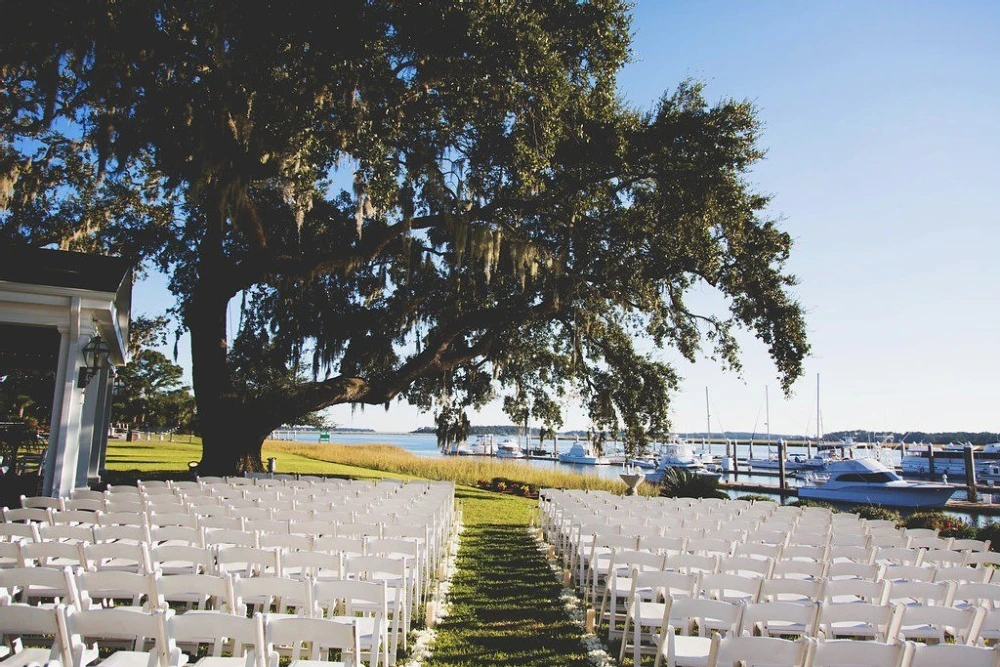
99 444
63 454
89 419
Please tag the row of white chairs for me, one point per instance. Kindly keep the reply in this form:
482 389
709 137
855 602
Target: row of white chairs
601 567
735 650
375 587
573 523
128 637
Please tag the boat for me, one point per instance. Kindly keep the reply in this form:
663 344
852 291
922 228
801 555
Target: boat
949 459
678 453
795 462
869 481
582 453
509 449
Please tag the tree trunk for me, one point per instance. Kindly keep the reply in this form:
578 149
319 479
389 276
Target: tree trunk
229 445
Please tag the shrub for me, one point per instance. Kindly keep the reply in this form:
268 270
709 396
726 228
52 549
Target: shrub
757 497
877 513
681 483
991 532
804 502
947 525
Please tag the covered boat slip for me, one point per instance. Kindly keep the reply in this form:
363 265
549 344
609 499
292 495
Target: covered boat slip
67 313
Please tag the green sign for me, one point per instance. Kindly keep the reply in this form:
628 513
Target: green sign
324 436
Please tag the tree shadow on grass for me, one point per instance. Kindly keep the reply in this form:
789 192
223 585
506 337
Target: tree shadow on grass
505 606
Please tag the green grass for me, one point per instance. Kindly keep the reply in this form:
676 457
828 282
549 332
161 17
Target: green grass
505 606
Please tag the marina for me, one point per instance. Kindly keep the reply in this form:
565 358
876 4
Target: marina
743 480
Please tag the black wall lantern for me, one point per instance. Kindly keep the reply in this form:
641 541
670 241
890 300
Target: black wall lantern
95 358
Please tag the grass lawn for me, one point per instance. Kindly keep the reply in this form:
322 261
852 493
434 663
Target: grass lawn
505 600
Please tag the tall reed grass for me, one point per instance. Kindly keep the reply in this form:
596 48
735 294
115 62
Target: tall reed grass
468 470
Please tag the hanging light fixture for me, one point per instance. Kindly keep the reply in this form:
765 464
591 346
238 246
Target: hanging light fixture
95 358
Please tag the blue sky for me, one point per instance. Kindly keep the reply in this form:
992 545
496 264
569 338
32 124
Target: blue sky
881 126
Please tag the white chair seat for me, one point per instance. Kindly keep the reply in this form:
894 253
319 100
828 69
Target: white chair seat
689 651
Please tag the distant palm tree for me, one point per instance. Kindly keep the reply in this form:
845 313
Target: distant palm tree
682 483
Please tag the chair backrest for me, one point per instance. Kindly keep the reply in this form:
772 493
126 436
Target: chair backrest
726 586
53 554
118 624
112 588
248 561
798 569
840 591
122 556
920 592
197 591
318 565
859 619
936 655
39 585
665 583
690 563
751 651
24 626
294 633
278 594
936 622
182 559
688 614
780 619
241 636
857 653
970 545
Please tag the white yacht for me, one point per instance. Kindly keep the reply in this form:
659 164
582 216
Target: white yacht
509 449
868 481
583 453
949 459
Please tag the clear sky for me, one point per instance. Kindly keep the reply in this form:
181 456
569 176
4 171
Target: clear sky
881 126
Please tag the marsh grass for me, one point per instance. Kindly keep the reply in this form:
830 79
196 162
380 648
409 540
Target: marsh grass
467 470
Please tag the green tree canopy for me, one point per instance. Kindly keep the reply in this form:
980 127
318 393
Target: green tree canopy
506 223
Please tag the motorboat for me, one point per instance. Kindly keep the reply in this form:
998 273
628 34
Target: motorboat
678 453
948 460
509 449
868 481
582 453
792 463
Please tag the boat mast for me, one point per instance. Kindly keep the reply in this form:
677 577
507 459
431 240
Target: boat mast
767 419
708 420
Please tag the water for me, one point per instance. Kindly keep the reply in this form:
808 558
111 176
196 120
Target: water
425 444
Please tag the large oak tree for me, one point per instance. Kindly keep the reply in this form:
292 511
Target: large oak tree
438 200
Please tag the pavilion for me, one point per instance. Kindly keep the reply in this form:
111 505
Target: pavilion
67 312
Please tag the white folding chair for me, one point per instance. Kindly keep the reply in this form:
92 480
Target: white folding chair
935 623
33 635
241 637
363 603
39 586
650 596
677 641
126 631
308 641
